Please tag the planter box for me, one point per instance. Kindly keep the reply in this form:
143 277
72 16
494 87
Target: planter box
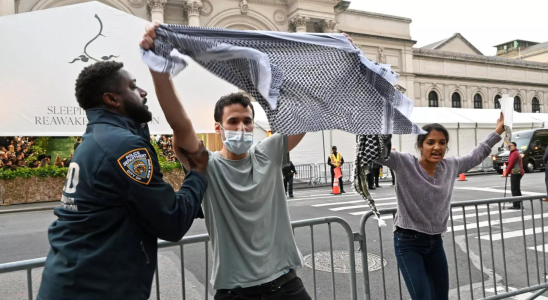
36 189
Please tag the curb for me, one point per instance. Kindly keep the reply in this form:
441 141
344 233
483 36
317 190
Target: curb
22 210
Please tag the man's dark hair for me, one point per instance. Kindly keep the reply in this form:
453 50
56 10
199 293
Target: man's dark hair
334 148
78 139
431 127
234 98
96 80
515 145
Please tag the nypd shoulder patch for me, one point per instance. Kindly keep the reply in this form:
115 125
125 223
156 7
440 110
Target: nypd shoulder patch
137 165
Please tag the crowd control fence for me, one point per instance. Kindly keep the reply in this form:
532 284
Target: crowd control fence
495 258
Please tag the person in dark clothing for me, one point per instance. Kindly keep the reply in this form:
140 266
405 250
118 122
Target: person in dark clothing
376 170
515 165
335 160
78 141
545 160
288 172
370 178
115 204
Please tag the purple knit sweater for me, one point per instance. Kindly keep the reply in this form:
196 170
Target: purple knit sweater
424 201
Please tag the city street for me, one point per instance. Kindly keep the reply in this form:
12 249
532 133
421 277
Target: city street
23 236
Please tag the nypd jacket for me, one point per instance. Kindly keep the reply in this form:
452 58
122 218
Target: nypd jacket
115 205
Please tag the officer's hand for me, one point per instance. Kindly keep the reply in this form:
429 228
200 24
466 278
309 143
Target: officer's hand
150 34
198 160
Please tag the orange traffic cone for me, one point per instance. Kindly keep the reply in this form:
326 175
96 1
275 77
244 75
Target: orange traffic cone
504 170
462 177
336 189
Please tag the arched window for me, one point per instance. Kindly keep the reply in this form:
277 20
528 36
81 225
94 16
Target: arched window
478 101
455 99
536 105
497 101
433 99
517 103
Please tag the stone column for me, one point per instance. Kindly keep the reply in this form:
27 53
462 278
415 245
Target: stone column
193 8
327 26
156 9
7 7
298 23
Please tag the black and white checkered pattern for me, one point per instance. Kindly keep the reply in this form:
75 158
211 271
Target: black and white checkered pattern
317 87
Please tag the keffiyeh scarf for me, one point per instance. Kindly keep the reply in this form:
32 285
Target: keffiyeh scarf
304 82
369 148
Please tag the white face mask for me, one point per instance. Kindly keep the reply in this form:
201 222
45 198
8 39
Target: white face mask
237 142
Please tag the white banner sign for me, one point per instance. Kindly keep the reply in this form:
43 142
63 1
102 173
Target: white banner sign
43 52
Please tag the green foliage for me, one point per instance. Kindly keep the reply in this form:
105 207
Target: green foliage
40 146
165 166
49 171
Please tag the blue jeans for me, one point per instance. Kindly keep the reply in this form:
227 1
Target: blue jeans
423 264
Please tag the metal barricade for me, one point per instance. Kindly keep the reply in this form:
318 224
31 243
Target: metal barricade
487 264
347 168
311 223
305 173
323 173
29 265
487 259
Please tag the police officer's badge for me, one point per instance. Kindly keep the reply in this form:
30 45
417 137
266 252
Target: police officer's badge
137 165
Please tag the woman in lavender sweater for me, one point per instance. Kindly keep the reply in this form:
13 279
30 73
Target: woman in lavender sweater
423 190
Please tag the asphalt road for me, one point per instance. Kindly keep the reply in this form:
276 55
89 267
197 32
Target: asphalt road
23 236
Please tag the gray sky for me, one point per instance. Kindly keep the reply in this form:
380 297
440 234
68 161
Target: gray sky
484 23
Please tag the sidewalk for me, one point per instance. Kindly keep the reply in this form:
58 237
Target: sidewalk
28 207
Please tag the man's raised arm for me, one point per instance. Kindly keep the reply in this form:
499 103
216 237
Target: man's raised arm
183 131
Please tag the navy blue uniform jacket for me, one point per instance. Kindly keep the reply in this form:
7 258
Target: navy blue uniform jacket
115 205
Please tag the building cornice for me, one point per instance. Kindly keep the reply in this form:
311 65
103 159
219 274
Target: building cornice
379 37
377 15
290 2
479 58
270 2
475 79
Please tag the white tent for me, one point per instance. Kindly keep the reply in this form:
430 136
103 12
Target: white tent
43 52
467 127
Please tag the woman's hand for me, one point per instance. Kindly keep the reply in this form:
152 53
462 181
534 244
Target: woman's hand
500 124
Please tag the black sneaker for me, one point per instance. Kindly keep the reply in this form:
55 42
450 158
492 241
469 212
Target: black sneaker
372 188
343 192
291 196
378 186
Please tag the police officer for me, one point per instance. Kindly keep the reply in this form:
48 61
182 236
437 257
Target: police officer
335 160
115 204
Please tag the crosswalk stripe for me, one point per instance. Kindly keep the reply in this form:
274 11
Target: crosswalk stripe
496 190
493 222
512 234
324 194
304 199
540 248
349 202
472 215
360 206
456 209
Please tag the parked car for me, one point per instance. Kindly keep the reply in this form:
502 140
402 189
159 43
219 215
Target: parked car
531 145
